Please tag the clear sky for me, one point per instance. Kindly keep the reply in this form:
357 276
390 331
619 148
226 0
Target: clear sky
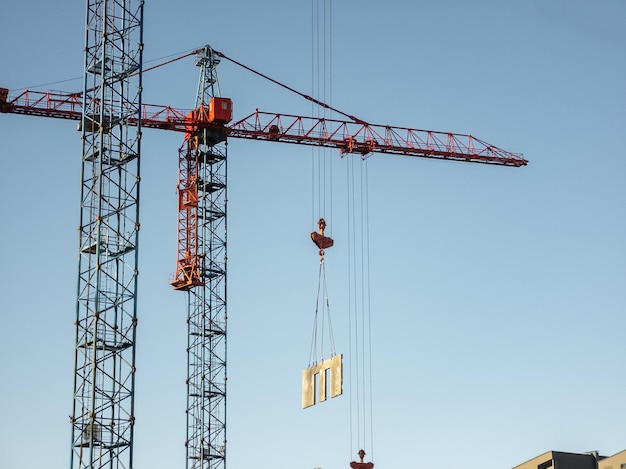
497 294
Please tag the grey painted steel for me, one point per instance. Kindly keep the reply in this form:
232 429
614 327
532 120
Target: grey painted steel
102 416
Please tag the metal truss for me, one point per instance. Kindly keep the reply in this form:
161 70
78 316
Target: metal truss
106 311
206 314
201 273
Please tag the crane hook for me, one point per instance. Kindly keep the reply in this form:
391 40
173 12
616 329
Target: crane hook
321 241
361 464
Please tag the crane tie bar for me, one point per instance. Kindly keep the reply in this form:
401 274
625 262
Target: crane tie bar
305 96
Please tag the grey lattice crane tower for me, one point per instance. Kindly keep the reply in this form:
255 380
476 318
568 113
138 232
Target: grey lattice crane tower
106 310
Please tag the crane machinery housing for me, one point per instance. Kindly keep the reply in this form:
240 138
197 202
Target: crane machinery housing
111 117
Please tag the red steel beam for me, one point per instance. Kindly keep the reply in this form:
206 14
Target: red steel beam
363 138
346 136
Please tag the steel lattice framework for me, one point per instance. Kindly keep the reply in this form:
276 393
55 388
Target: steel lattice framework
343 135
201 273
106 313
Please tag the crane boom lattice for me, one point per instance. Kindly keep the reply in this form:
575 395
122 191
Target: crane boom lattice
345 136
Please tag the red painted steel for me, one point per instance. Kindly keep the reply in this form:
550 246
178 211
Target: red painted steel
363 138
220 110
190 263
346 136
361 465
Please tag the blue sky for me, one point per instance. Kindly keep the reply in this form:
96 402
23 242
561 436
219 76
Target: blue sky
497 294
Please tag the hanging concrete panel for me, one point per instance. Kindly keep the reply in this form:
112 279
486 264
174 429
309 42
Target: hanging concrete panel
326 378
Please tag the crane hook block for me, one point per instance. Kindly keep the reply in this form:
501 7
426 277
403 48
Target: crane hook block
321 241
361 464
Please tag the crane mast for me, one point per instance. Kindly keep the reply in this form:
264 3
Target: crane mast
201 268
102 415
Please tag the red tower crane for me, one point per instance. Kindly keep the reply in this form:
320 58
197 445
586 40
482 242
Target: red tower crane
201 262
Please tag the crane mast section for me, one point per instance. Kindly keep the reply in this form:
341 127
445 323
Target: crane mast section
346 136
103 416
201 267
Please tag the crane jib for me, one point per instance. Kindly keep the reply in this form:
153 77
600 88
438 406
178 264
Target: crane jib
346 136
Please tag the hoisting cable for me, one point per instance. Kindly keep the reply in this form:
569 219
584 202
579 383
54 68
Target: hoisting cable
305 96
321 89
323 378
321 165
322 242
361 408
